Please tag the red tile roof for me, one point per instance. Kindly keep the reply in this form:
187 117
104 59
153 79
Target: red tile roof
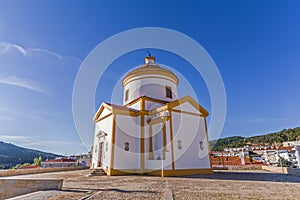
232 160
61 160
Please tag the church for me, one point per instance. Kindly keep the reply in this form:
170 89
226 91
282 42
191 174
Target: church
154 132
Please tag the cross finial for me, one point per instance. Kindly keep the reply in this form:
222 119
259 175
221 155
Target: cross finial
149 54
149 58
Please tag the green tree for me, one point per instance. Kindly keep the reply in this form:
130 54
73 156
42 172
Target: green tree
37 161
219 160
250 159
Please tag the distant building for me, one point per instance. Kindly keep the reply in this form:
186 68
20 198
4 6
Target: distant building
291 143
154 130
59 162
85 160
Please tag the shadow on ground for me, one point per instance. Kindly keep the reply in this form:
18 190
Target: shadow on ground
246 176
66 189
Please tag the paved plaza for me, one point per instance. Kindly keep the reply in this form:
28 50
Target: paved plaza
220 185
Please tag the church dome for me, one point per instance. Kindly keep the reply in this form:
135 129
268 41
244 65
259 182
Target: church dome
149 68
150 80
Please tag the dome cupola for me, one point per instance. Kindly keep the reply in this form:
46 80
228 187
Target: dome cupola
150 80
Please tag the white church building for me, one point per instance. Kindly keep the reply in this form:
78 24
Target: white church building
154 132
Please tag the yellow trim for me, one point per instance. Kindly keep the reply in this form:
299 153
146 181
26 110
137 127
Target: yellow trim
102 118
145 98
180 172
191 101
158 120
143 77
151 155
171 140
142 104
125 112
142 156
98 113
208 145
188 113
113 141
133 102
155 100
164 140
100 110
178 102
167 172
149 70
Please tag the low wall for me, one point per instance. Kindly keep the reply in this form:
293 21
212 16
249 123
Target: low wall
16 187
11 172
237 167
284 170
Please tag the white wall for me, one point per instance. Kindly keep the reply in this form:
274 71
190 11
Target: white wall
187 107
149 105
127 130
157 164
104 125
151 87
136 106
190 130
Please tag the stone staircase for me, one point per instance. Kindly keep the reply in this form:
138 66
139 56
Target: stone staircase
97 172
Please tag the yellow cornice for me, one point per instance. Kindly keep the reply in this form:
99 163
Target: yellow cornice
167 172
191 101
150 70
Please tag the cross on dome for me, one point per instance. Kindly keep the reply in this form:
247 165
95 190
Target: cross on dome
149 58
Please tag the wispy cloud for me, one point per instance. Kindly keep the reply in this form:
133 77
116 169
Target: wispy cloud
23 83
6 47
20 114
44 114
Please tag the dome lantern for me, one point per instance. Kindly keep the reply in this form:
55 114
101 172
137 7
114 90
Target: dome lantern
150 80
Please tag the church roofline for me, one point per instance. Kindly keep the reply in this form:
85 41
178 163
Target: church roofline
119 109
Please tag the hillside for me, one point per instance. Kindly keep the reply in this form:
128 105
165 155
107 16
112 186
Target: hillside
11 155
285 135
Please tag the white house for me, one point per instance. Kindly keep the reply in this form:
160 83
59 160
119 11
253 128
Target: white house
59 162
154 132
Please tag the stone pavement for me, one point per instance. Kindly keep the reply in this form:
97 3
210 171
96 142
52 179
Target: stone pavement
220 185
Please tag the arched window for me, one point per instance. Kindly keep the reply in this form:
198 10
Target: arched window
126 146
201 145
179 144
127 95
168 92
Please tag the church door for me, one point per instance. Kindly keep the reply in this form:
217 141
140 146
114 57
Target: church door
100 154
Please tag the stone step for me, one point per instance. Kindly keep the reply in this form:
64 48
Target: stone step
97 172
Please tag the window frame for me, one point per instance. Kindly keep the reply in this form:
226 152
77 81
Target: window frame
169 93
126 95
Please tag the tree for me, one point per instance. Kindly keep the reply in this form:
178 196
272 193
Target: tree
250 159
219 160
37 161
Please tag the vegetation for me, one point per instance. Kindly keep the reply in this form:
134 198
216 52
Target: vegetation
235 141
37 161
11 155
285 135
250 159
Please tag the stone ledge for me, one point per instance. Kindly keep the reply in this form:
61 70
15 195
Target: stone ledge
11 187
11 172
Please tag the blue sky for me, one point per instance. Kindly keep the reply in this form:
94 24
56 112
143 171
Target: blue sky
255 45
